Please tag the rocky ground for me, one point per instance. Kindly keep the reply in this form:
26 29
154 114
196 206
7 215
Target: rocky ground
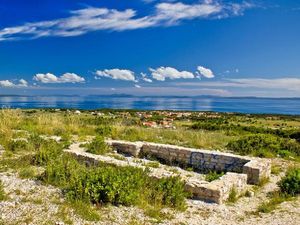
30 202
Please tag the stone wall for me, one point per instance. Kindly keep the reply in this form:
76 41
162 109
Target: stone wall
199 159
216 191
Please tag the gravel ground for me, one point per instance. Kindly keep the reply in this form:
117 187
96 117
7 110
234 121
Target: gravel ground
30 202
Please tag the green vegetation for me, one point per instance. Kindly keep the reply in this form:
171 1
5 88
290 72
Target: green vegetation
115 185
264 145
276 198
84 210
290 184
32 156
153 164
2 193
233 195
289 188
213 175
98 146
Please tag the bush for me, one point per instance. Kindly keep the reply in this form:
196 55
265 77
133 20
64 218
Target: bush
104 130
98 146
290 184
16 145
47 151
264 145
115 185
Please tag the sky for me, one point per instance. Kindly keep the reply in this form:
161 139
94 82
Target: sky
150 47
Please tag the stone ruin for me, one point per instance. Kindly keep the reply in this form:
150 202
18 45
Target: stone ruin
239 170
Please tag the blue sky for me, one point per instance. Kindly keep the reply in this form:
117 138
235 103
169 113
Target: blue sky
150 47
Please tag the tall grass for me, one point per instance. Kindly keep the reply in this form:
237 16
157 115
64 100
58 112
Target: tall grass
180 136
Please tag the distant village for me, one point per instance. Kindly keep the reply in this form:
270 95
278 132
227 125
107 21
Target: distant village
152 119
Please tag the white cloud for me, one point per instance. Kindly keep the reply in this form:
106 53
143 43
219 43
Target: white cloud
10 84
116 74
137 86
205 72
23 83
90 19
289 84
172 13
145 78
49 78
162 73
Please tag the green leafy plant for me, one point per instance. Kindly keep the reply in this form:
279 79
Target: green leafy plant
115 185
290 184
104 130
213 175
98 146
264 145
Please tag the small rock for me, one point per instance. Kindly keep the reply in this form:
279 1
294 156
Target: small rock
59 223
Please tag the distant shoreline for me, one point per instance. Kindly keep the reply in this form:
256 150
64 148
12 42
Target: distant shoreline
149 96
244 105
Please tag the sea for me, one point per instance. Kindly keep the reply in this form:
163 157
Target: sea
253 105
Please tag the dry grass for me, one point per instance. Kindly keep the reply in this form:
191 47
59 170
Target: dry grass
180 136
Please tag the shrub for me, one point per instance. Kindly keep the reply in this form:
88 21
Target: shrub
213 175
290 184
98 146
115 185
104 130
264 145
170 190
47 151
18 145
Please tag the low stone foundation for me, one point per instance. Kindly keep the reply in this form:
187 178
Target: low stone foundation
238 170
218 190
200 159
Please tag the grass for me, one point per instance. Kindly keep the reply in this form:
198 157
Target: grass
115 185
157 214
98 146
28 172
233 196
153 164
276 169
263 181
2 192
181 136
127 186
270 205
85 210
213 175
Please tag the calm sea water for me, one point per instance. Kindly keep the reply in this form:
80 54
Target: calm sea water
242 105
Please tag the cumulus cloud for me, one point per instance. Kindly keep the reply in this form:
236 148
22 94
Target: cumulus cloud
90 19
50 78
205 72
10 84
162 73
116 74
